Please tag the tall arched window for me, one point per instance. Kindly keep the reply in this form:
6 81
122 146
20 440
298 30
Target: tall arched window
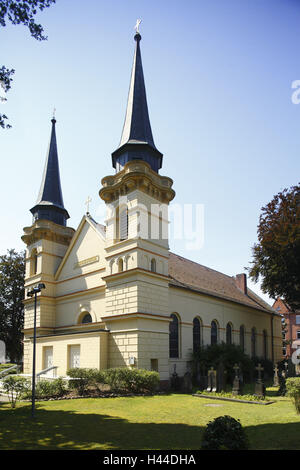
253 342
123 224
265 344
242 337
174 336
153 265
228 333
33 262
196 334
214 332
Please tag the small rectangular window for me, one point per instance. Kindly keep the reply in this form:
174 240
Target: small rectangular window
297 319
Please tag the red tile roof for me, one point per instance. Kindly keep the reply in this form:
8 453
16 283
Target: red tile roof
188 274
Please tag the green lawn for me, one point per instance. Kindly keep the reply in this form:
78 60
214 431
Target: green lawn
159 422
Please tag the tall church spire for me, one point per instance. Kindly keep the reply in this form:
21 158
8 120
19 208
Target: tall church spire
137 140
49 204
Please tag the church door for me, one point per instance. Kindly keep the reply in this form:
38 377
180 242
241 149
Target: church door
74 356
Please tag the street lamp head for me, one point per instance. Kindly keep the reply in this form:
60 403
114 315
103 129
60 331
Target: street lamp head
36 289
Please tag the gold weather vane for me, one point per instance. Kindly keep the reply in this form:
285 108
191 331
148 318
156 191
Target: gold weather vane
137 25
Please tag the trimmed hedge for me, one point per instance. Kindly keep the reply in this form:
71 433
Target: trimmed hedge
120 380
50 388
84 378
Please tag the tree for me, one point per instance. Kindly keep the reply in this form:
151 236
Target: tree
276 256
19 12
12 270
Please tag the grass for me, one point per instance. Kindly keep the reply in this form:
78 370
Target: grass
173 421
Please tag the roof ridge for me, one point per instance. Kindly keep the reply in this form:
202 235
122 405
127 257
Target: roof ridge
203 265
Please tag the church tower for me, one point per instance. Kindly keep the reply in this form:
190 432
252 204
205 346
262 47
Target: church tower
46 240
137 250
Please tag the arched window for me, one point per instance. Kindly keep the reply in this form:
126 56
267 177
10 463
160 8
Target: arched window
265 344
153 265
120 265
174 336
196 334
253 342
214 332
228 333
33 262
123 224
242 337
87 318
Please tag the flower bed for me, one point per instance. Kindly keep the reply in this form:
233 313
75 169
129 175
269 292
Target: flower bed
252 399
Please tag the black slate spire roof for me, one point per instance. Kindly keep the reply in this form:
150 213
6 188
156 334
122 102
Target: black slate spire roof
137 139
49 204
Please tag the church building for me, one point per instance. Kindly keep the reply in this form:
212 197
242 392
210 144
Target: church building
115 296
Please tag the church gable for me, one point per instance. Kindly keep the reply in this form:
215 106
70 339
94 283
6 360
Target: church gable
85 255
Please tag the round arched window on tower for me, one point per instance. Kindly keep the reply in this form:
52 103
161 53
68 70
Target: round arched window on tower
86 318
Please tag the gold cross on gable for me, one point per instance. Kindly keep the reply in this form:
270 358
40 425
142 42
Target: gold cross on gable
87 203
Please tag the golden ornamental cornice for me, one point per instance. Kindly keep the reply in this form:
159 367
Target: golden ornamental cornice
45 229
137 174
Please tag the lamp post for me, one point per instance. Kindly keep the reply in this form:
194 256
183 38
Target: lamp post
33 292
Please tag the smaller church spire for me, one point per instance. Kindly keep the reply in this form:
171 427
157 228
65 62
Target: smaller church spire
137 139
49 204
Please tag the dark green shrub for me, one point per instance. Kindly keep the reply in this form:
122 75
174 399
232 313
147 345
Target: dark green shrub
293 391
123 379
83 378
50 388
224 433
97 378
227 355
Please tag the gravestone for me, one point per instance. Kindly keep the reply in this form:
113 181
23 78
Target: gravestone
221 377
276 378
187 382
211 380
259 385
236 387
175 382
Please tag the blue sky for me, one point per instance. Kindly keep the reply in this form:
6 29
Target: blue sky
218 77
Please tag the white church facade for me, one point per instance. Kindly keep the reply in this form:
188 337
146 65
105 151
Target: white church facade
115 296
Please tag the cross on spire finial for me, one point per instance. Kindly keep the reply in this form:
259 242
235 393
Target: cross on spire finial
87 203
137 25
53 116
